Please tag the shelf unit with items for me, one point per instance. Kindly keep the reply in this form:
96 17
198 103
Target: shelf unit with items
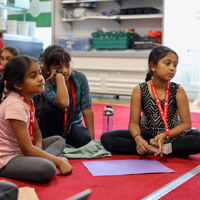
16 33
5 7
86 21
102 64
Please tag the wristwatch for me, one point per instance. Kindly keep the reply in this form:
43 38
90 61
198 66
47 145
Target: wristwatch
58 71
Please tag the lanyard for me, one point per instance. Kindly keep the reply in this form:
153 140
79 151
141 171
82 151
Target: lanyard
74 105
32 118
163 114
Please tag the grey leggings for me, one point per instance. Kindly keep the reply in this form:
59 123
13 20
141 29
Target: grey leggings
35 169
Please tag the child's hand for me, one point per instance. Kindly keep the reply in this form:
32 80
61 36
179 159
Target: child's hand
159 141
154 142
64 167
142 146
50 77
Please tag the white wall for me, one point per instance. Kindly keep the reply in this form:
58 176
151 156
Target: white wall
182 33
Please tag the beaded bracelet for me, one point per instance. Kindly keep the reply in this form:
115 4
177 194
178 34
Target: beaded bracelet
58 71
136 135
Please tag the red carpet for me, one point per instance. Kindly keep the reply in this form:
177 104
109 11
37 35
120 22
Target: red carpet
127 187
121 118
188 190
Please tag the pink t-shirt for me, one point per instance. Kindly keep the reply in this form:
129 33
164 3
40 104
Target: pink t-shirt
13 107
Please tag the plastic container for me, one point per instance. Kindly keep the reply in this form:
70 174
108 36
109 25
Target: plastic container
68 43
139 11
111 40
23 28
32 27
77 43
108 119
2 24
11 27
147 42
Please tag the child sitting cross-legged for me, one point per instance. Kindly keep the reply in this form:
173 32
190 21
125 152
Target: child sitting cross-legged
24 154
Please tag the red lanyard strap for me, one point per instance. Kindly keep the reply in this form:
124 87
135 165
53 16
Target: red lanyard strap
74 105
163 114
32 118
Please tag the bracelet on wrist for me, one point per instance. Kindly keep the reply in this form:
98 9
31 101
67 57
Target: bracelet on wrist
136 136
58 71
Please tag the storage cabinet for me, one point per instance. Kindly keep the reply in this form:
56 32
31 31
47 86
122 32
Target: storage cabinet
108 71
116 76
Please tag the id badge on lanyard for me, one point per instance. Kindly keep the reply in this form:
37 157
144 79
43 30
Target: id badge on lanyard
167 144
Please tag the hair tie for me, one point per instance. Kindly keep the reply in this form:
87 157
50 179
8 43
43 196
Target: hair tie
5 83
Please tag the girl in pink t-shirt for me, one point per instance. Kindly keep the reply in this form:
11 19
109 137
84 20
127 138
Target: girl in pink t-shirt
24 155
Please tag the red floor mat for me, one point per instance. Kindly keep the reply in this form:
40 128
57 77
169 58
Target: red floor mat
190 190
112 187
126 187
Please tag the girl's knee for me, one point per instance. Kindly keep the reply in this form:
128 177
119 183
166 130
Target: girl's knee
85 140
59 139
105 140
46 172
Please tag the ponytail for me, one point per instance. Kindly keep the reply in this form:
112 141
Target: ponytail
1 88
148 76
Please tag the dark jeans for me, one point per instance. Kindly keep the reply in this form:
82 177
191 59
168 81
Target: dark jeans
52 123
122 142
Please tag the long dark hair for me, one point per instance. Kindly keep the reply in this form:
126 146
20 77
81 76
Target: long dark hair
14 72
14 51
156 54
54 54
